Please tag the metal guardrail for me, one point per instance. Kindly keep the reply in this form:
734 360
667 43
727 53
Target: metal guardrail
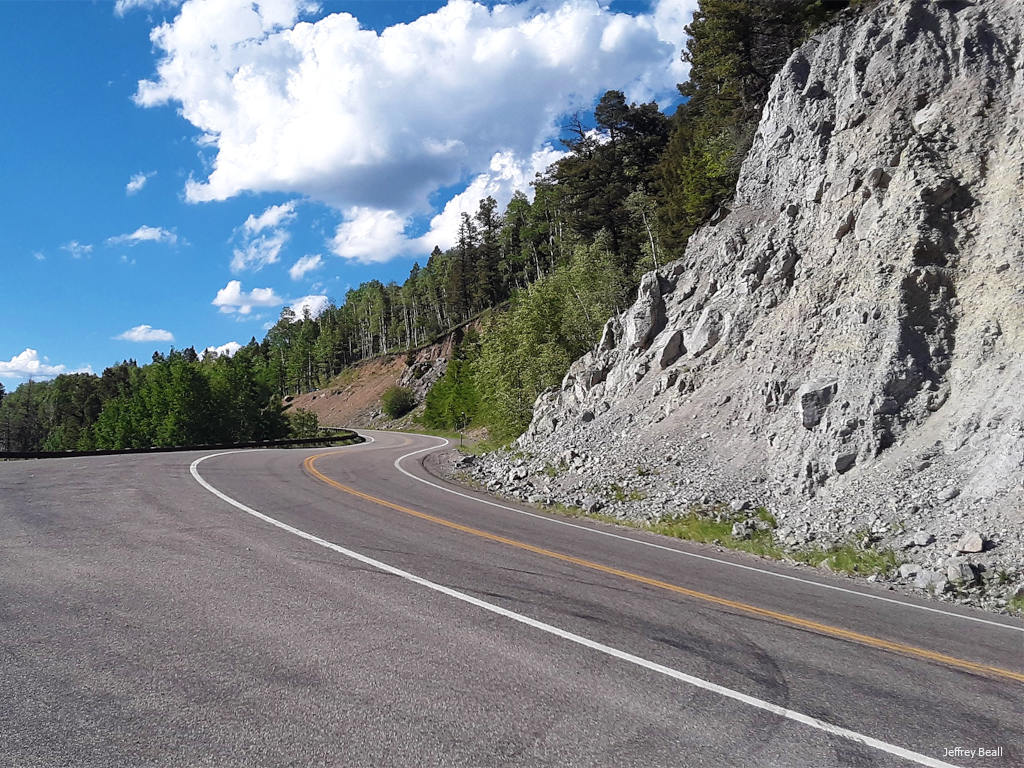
348 436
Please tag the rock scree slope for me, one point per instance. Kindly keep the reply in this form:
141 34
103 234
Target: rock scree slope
845 343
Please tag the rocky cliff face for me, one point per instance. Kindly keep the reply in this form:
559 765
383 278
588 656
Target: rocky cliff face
845 344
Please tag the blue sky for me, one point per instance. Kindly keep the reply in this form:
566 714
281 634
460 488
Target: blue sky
175 174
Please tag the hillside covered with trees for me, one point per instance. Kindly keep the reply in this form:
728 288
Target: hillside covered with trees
623 200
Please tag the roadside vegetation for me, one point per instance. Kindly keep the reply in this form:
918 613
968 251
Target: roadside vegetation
397 401
714 525
303 423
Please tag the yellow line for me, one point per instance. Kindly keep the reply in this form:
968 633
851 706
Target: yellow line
785 618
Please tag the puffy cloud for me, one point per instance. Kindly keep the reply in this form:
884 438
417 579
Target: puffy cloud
315 304
145 333
144 234
137 182
227 349
670 18
374 124
231 298
370 234
28 365
305 264
77 249
39 256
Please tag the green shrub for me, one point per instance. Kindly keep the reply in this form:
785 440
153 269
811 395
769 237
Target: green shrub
303 423
454 400
397 401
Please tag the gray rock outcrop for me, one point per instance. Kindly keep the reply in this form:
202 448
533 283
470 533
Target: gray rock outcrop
847 344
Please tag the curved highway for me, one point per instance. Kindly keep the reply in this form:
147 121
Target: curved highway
344 607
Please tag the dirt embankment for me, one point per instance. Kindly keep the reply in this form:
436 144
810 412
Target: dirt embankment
352 399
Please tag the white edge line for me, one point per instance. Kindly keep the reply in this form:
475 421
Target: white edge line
697 682
598 531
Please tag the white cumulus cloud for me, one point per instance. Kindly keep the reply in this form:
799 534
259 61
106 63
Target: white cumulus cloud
144 234
137 182
370 234
306 264
231 298
373 124
28 365
315 304
145 333
670 18
223 350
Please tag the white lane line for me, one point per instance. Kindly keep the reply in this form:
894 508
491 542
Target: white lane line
729 693
610 534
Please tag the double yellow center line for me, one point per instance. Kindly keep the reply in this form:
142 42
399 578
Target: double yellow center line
785 618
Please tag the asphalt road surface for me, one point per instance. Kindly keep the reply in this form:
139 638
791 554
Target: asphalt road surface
343 607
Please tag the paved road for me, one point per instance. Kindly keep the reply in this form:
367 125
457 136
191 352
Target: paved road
150 617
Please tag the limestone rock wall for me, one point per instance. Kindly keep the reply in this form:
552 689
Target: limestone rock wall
847 343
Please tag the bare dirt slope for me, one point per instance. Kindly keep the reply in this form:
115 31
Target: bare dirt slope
352 399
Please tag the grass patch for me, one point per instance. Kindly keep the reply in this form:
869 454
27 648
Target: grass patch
714 526
850 558
1016 604
620 494
486 445
1003 577
708 530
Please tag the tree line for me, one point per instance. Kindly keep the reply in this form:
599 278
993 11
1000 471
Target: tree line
624 199
177 399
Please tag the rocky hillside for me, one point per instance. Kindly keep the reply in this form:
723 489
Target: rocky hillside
845 343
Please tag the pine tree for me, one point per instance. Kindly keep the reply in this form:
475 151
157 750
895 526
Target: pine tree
488 279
